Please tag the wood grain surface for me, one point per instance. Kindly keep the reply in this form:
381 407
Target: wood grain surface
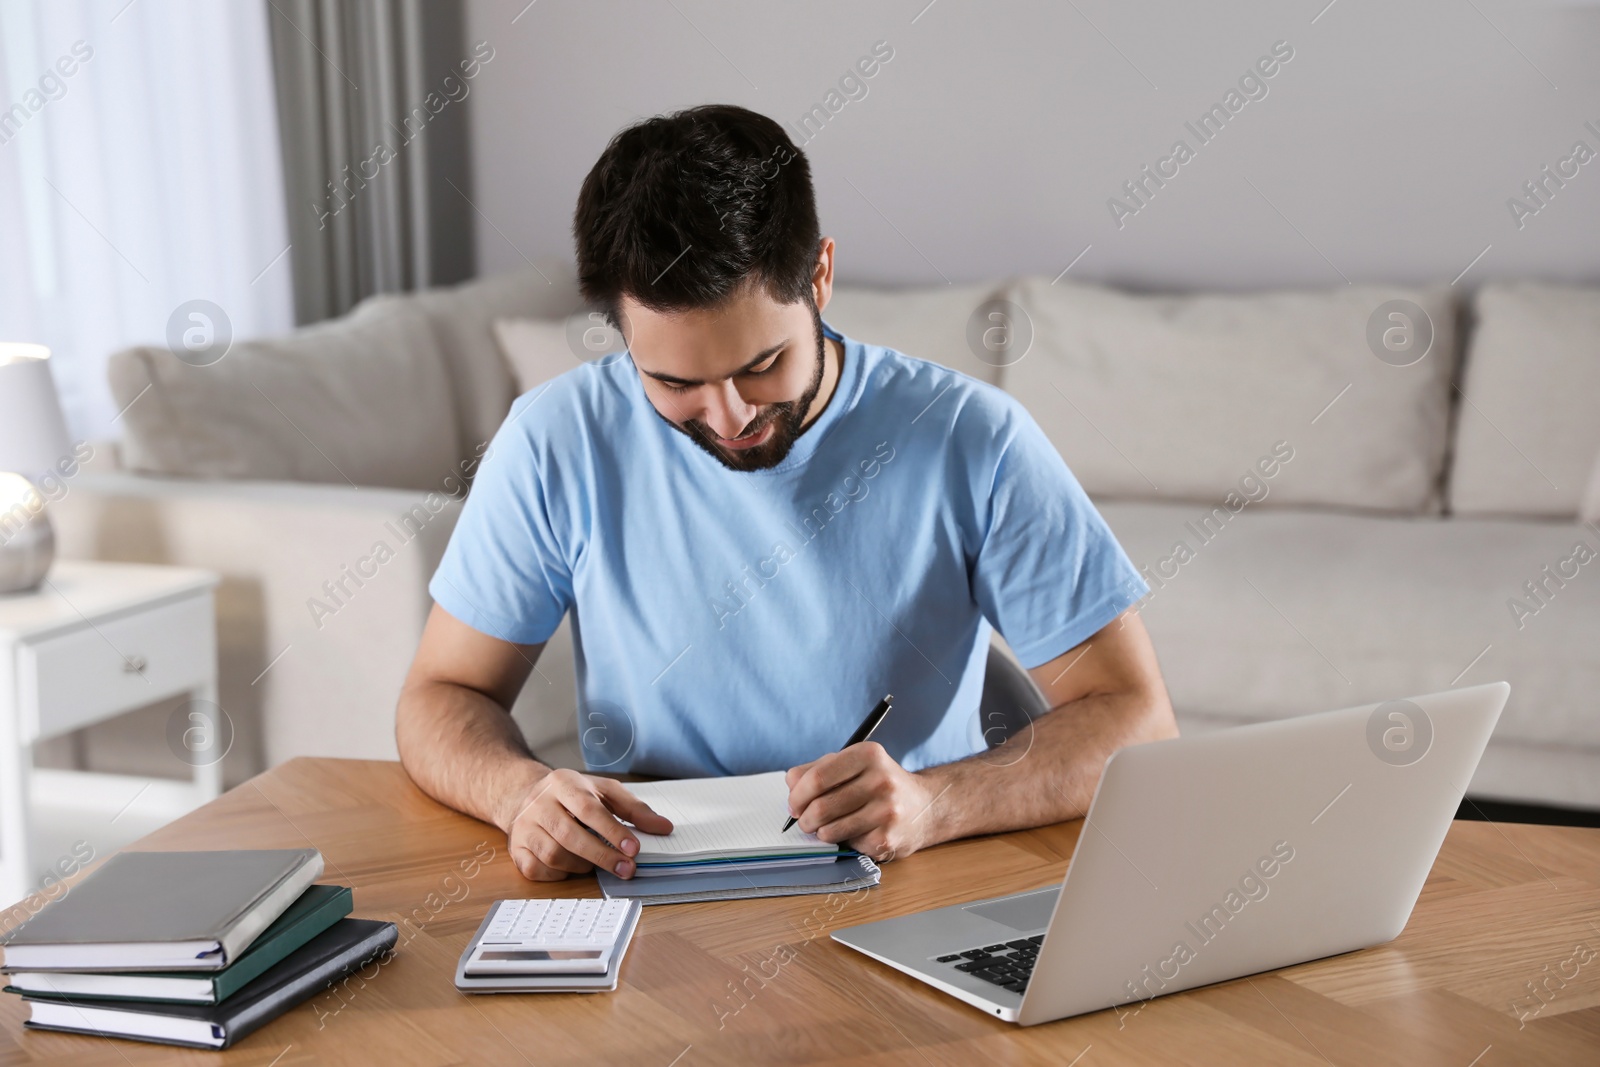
1505 912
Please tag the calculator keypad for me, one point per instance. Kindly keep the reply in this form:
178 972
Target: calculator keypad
565 922
550 936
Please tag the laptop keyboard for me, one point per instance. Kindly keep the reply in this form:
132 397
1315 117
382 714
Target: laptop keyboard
1006 964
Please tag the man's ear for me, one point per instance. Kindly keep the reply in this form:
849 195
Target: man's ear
822 274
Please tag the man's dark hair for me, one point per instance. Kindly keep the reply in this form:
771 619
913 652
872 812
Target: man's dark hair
682 209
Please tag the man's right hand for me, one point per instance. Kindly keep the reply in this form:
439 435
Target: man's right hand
546 836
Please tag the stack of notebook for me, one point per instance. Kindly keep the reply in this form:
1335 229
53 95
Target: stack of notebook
188 948
728 841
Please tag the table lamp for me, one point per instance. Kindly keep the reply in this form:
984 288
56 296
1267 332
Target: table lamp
33 440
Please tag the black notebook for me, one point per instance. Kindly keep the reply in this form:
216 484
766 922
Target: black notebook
342 948
164 911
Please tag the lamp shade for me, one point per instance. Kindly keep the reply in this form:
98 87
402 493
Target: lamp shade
33 433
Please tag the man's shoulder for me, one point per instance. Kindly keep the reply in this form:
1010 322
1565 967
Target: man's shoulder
572 404
938 398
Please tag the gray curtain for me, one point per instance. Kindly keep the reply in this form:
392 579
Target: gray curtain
372 101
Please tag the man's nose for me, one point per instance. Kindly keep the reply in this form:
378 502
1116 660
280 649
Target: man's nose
727 413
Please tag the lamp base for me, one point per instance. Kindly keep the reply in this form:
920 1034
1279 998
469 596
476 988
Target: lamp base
27 548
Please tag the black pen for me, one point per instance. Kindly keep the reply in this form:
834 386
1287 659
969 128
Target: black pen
863 733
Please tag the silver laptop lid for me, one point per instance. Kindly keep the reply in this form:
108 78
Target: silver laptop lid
1208 857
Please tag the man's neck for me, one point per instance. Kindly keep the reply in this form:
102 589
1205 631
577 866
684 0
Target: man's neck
832 368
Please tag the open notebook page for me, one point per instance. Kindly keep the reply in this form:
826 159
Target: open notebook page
733 816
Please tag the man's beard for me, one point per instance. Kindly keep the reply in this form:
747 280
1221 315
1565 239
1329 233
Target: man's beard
787 419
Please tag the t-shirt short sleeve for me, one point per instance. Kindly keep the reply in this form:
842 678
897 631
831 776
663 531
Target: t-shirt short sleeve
1049 573
506 570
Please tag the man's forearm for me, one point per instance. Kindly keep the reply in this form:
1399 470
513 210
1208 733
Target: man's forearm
1047 772
464 750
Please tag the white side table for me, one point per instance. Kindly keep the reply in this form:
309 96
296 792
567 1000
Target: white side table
95 641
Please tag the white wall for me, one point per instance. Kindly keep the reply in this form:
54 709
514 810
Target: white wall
991 142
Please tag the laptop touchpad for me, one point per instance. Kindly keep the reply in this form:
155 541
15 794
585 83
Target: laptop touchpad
1030 911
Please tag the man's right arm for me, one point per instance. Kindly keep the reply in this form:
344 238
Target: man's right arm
460 745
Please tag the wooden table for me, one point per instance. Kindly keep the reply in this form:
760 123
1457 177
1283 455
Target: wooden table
759 981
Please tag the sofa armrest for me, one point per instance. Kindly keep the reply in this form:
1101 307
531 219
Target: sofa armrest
323 595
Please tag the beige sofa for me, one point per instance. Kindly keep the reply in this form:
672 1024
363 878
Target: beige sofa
309 453
1321 526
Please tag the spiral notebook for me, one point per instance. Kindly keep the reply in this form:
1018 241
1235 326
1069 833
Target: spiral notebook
844 875
726 823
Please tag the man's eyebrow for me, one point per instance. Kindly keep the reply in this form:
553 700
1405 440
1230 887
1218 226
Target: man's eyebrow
762 357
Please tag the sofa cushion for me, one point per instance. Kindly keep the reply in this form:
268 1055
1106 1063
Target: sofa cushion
1291 611
537 350
929 323
363 400
1164 397
1528 434
482 386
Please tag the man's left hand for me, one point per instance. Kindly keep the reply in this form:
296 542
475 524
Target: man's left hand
861 797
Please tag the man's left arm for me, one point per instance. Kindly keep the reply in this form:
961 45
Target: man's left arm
1104 694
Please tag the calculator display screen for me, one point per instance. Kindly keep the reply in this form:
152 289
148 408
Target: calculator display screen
528 955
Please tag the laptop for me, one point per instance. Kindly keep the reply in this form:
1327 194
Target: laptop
1214 856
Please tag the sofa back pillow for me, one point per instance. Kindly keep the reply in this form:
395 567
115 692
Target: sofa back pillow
928 323
1527 434
462 318
1196 397
947 324
539 349
362 400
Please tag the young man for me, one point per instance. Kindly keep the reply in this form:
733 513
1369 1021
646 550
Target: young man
761 527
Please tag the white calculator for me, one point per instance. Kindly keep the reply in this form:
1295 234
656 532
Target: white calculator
559 936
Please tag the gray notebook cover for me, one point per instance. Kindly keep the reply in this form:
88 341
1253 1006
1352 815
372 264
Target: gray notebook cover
162 896
840 876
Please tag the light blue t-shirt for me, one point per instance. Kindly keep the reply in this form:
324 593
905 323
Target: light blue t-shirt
730 622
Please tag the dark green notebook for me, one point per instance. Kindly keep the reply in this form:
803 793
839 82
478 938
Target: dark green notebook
318 908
